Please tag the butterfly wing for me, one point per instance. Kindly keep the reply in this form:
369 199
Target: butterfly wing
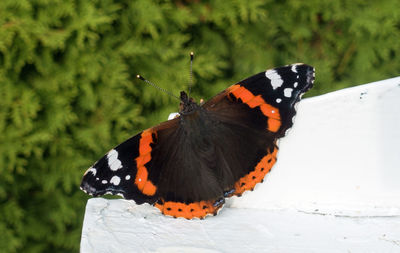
265 103
270 95
124 169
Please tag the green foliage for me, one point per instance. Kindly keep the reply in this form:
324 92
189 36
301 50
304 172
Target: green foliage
68 90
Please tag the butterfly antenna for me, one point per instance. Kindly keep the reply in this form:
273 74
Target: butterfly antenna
191 72
156 86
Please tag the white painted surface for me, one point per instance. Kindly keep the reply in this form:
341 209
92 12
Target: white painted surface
335 188
122 226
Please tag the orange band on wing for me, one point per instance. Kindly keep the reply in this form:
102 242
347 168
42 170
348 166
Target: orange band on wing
274 125
249 181
272 113
189 211
141 180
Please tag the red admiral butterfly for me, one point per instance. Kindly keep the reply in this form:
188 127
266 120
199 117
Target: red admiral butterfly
187 166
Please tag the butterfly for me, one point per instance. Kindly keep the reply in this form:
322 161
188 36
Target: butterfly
188 165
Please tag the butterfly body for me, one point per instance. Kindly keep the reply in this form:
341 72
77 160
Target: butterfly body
187 166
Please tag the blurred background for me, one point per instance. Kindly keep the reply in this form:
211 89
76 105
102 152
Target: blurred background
68 91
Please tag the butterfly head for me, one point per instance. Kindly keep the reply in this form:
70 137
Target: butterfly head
188 105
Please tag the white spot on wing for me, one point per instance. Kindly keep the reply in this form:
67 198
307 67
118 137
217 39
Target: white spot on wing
128 177
294 68
287 92
115 180
278 100
91 169
113 162
276 80
295 84
104 181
